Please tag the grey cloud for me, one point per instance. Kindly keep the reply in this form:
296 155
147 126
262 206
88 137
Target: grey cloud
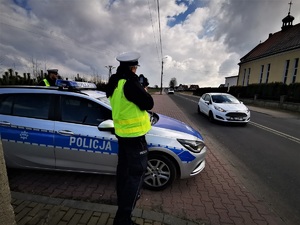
245 23
85 36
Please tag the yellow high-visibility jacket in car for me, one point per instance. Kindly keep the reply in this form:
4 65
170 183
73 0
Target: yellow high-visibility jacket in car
46 82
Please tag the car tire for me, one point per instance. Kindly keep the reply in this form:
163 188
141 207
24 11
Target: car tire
198 108
211 117
161 172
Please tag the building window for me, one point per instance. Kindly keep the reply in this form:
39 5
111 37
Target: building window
268 73
286 71
261 74
244 77
295 70
248 77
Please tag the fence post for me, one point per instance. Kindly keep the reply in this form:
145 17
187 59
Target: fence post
282 100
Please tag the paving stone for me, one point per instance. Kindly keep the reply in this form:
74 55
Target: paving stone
215 196
85 217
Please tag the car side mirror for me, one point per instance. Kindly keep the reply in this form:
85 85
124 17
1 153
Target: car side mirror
107 125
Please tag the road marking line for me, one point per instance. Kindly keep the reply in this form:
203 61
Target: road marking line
297 140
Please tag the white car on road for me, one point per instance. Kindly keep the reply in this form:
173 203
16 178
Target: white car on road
223 107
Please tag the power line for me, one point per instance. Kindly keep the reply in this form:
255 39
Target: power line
41 32
155 42
162 62
159 28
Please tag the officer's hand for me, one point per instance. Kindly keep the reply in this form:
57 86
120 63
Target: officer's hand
143 80
146 83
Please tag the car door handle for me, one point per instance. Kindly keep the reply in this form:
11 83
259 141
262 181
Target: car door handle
5 123
66 132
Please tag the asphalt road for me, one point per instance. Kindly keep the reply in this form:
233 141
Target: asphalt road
266 152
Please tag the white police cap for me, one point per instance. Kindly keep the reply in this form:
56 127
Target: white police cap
52 70
129 58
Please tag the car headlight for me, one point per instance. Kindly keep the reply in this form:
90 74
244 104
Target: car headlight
219 109
192 145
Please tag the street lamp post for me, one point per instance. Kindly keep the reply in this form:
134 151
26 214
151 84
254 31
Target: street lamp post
161 76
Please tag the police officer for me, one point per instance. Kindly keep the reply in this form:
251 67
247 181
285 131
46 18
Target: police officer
129 101
50 79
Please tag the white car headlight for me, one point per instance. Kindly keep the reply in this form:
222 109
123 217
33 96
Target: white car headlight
219 109
192 145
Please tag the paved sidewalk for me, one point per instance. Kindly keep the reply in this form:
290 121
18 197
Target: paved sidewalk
214 197
36 209
274 113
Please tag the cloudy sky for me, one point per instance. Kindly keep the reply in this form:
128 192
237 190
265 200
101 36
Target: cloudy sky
199 41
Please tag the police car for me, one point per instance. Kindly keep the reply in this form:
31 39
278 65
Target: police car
70 128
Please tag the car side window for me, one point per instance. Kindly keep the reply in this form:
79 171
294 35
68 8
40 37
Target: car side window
26 105
6 102
31 105
82 111
207 98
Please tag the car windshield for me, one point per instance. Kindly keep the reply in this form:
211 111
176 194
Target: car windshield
224 99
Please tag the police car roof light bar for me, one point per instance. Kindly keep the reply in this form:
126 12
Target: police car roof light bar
75 85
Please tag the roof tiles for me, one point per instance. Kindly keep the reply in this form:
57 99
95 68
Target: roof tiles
284 40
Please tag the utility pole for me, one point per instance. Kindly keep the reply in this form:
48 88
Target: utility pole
110 68
161 76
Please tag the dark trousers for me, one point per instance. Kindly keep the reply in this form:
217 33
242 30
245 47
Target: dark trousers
132 165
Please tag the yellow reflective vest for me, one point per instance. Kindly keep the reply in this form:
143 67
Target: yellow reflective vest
129 119
46 82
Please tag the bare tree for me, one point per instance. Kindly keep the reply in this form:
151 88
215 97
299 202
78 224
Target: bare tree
173 82
35 67
2 59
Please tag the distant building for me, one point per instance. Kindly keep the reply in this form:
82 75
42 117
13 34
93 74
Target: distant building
231 81
276 59
182 87
193 87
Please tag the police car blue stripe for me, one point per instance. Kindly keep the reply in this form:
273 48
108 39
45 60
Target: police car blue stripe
45 138
182 153
28 136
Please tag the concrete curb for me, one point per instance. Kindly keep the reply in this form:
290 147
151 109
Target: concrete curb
103 208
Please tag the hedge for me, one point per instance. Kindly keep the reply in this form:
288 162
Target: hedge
271 91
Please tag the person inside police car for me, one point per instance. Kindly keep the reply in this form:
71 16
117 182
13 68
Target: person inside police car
129 101
50 78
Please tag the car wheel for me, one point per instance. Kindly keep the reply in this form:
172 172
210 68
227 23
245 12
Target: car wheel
211 117
161 172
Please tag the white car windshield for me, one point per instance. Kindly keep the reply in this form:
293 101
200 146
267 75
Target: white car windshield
224 99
